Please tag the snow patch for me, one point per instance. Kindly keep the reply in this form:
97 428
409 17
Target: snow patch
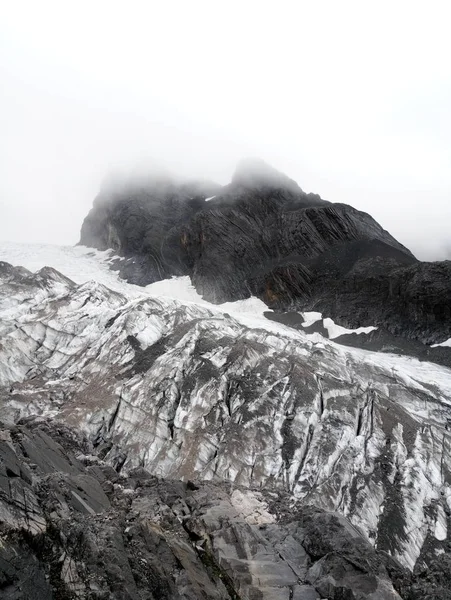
310 318
149 335
335 331
446 344
179 288
249 306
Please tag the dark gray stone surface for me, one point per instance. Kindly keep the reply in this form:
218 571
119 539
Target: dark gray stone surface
140 537
263 235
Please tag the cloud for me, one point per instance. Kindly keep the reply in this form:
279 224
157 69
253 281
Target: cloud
349 99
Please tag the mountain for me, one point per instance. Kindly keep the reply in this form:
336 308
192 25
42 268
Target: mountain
235 392
311 469
262 236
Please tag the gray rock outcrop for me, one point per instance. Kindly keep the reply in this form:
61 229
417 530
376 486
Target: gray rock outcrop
262 235
81 530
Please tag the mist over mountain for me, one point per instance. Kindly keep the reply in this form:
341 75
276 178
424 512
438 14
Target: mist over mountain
225 300
262 236
357 122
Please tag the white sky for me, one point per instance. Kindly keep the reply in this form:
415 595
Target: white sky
350 98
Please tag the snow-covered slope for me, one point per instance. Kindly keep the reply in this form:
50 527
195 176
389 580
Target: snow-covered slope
191 390
82 264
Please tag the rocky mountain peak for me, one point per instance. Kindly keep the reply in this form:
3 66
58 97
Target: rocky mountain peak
256 173
261 235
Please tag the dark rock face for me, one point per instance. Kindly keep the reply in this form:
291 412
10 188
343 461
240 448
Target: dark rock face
266 247
412 301
262 235
138 221
72 527
383 341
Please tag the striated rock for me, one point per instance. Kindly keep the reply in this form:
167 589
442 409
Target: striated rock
190 393
164 539
409 301
262 235
140 221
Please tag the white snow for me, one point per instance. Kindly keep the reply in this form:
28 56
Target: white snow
446 344
311 318
82 264
210 198
151 333
75 341
176 287
335 331
79 263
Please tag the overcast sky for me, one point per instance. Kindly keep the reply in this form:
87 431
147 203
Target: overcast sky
350 99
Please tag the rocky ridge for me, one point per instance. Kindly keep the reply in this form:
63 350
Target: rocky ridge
262 235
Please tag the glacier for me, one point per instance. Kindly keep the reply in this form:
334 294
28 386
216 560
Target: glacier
160 379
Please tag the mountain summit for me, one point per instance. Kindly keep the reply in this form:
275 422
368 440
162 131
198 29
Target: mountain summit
256 173
262 235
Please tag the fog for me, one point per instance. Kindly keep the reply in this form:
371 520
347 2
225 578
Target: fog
350 99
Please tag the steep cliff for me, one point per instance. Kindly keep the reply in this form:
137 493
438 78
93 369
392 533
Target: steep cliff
262 235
